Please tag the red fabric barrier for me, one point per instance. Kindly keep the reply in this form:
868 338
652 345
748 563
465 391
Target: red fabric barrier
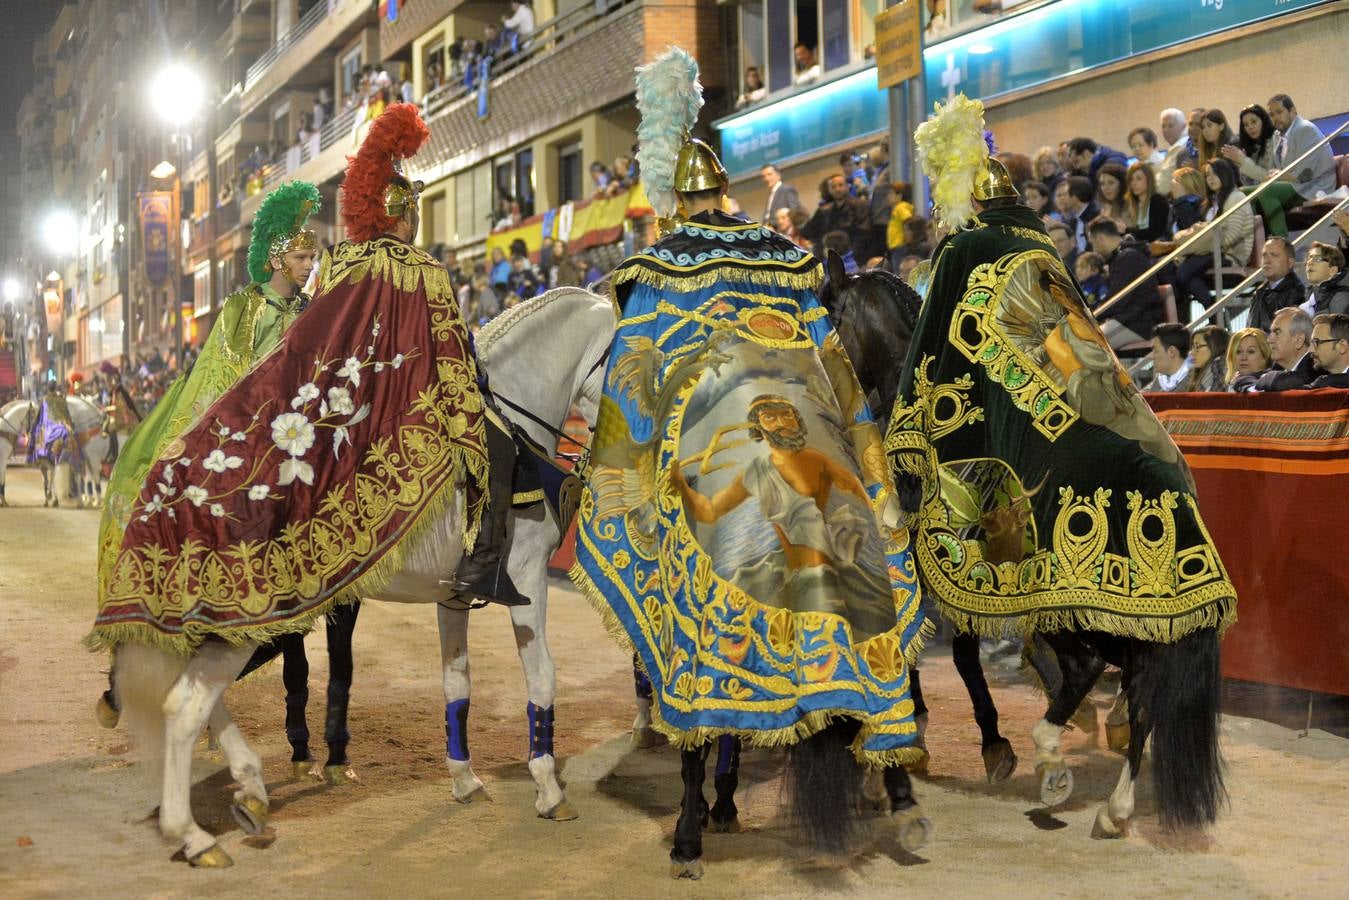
1272 472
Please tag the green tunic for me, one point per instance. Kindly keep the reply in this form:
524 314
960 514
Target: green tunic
250 325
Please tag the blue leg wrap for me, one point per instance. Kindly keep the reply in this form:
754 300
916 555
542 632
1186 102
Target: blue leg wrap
540 731
726 754
456 730
643 683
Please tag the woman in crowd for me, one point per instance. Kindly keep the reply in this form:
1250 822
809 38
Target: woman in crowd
755 89
1110 182
1047 168
1194 279
500 273
901 210
787 222
1208 359
1018 166
1146 214
1214 134
1253 153
1038 199
1187 198
1248 355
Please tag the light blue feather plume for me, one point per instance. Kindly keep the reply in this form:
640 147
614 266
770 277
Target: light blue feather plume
669 96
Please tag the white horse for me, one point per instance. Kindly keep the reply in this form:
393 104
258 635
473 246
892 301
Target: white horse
17 416
545 355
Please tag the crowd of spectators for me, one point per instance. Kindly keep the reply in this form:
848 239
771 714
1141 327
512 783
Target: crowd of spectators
467 61
486 287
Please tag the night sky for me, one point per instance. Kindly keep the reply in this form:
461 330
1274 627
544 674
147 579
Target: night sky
24 21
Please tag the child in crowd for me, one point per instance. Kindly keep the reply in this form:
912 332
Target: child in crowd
1090 271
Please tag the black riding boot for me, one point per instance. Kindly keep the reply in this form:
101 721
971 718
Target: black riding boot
482 574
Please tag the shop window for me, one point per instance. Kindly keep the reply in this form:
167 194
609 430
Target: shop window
752 46
570 173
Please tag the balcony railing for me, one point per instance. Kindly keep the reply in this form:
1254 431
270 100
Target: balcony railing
345 126
307 23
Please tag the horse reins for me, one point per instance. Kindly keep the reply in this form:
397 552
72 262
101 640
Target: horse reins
555 432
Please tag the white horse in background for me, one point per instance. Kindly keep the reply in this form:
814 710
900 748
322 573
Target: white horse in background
17 416
545 355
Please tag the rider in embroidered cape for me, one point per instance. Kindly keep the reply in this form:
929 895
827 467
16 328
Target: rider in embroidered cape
53 436
1052 496
303 485
732 530
281 255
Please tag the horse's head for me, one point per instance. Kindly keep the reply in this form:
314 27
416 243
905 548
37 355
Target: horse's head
875 314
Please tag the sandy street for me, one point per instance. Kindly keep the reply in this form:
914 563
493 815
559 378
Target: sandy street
77 811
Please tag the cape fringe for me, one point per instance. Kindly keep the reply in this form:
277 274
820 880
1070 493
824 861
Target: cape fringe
717 274
778 738
1219 614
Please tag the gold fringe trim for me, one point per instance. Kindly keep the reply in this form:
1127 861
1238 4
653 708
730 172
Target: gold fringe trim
526 497
721 272
1219 614
689 739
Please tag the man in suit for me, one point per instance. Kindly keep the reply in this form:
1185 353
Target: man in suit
1290 345
1293 187
1330 347
780 195
1282 287
1073 199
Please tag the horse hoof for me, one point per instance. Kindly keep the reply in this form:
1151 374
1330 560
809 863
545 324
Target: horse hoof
1056 783
1106 827
1085 719
915 829
999 761
300 769
563 812
692 870
729 826
251 813
647 738
1117 737
213 857
339 775
107 716
476 795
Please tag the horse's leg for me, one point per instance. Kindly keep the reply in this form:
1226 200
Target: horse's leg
250 801
295 677
187 708
999 760
914 827
919 718
341 624
685 856
45 469
1113 818
1080 666
724 816
644 735
454 676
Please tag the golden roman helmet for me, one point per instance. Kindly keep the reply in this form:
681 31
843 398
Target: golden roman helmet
300 239
698 169
992 181
401 195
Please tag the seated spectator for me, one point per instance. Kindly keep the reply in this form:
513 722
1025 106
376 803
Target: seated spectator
1208 359
1036 196
840 212
1135 317
901 210
1329 280
1062 237
1046 168
520 23
499 274
916 242
1089 268
1293 365
1110 202
1293 187
755 89
1247 357
1194 277
1143 145
1170 357
1086 157
837 241
1341 219
1184 153
807 67
1253 152
494 42
1214 134
1146 213
1187 199
523 281
1330 346
1073 198
1282 288
565 272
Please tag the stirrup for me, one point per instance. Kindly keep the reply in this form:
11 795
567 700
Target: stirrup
493 585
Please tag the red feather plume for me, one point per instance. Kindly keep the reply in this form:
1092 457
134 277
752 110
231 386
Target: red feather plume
398 133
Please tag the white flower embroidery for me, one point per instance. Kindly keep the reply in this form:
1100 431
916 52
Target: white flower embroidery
259 491
396 361
293 433
224 431
339 435
295 468
339 401
379 367
307 392
194 494
217 510
155 505
173 514
166 489
374 330
238 436
351 370
185 461
168 474
216 461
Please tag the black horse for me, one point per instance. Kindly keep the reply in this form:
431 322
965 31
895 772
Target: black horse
875 315
1172 690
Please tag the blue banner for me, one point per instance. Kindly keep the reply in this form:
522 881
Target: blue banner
156 209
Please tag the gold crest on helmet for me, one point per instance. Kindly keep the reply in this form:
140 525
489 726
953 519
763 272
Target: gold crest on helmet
401 195
698 169
992 182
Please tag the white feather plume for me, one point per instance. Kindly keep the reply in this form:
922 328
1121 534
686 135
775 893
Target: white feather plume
669 96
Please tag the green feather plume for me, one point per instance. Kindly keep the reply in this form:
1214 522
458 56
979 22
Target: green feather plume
284 211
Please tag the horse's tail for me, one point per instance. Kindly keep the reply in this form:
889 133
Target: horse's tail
1179 697
825 783
142 677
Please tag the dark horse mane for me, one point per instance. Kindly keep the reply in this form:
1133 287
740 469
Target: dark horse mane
875 314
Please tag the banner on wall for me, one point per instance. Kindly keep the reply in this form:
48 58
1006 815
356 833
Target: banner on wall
156 210
590 223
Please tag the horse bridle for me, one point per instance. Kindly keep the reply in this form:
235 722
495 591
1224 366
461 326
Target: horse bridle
555 432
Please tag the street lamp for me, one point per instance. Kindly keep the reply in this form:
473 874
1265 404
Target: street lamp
61 232
12 289
176 93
